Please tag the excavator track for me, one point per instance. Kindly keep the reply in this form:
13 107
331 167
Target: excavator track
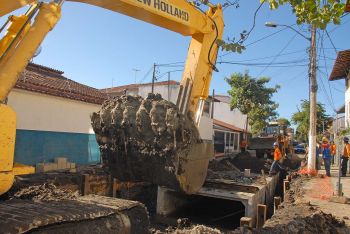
87 214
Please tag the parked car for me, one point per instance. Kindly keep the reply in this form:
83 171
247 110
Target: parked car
299 149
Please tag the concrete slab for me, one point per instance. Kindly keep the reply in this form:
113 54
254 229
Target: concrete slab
169 201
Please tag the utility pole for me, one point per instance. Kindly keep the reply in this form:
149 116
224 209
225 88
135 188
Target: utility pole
154 76
313 102
168 86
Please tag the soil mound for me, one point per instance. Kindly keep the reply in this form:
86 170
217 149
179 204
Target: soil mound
45 192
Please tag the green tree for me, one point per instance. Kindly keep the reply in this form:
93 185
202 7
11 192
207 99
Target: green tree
253 98
302 117
283 121
314 12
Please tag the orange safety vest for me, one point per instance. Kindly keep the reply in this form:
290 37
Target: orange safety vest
333 149
346 150
243 144
277 154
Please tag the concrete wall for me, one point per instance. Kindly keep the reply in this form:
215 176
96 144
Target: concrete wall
347 102
223 113
49 127
161 89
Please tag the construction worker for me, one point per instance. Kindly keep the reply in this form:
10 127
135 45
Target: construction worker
285 145
333 151
318 151
280 143
345 156
243 145
277 156
326 155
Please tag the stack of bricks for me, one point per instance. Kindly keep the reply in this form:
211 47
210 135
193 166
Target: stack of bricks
59 163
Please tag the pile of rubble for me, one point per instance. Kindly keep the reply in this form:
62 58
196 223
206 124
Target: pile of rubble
225 169
184 226
246 161
45 192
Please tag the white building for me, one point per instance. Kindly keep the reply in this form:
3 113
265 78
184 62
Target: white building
227 125
341 70
53 117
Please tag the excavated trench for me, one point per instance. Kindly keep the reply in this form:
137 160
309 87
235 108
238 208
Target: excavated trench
214 212
144 139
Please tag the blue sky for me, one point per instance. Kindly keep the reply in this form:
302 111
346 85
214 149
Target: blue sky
99 48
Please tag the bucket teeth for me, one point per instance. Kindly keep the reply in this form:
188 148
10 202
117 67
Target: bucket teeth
145 139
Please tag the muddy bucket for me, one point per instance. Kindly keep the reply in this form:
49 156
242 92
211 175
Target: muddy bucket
150 140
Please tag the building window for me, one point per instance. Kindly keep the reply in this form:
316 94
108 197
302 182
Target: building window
219 142
226 142
206 108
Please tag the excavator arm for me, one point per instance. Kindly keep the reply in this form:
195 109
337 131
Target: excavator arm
25 34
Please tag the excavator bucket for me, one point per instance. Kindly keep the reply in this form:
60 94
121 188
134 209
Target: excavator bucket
150 140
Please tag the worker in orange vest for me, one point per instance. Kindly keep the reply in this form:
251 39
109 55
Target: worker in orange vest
277 156
243 145
333 149
345 156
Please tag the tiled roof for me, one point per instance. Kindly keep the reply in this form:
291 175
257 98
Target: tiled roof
136 86
41 79
341 66
341 110
228 126
223 98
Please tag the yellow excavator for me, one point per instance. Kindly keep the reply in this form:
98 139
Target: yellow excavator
26 32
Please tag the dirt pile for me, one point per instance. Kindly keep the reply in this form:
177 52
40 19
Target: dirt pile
246 161
45 192
144 139
184 226
303 218
296 216
225 169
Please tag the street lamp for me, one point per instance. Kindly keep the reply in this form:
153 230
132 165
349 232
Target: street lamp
313 93
136 71
274 25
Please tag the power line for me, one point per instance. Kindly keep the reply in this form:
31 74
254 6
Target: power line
262 65
269 63
266 57
330 39
164 73
147 74
296 76
277 55
261 39
326 93
323 88
169 64
325 63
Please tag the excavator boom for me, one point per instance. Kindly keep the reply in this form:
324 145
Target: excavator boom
26 33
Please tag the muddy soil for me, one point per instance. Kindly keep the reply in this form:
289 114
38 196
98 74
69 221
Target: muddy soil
296 216
45 192
226 169
141 139
184 226
246 161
